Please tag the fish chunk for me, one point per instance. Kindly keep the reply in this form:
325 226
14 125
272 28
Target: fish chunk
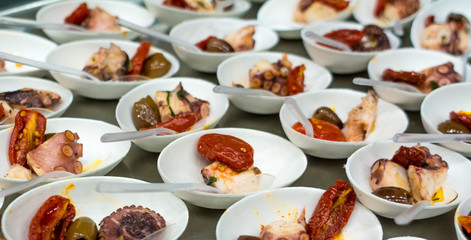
425 182
226 179
242 39
31 98
361 119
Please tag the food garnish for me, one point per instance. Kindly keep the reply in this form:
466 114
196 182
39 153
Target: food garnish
238 41
371 38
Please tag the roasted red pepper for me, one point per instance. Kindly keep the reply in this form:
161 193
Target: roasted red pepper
179 123
461 117
234 152
339 5
27 134
138 59
332 211
52 219
322 130
78 15
347 36
295 81
203 44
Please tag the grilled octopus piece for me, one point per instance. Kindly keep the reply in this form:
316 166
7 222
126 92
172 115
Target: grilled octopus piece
375 40
108 63
242 39
361 118
31 98
271 77
98 20
284 230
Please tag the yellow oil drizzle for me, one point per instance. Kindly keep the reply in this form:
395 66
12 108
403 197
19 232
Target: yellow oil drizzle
92 166
66 193
258 216
10 212
18 65
373 60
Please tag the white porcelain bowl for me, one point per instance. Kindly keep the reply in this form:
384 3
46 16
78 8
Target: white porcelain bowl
408 59
89 203
236 70
57 12
358 172
389 121
99 158
246 216
278 15
406 238
272 154
463 210
197 87
363 13
13 83
440 10
436 109
24 45
196 30
173 16
335 60
82 51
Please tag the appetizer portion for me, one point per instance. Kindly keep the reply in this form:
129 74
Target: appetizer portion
389 10
413 174
360 123
371 38
237 41
96 19
310 11
114 64
450 37
465 222
232 163
426 80
198 5
2 66
458 123
177 110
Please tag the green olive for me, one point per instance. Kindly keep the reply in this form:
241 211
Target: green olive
394 194
156 65
452 127
326 114
82 228
145 113
218 45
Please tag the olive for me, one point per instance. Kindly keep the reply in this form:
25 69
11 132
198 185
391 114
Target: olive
394 194
82 228
156 65
145 113
218 45
452 127
326 114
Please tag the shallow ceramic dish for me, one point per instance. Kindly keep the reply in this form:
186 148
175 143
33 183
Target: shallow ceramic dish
82 51
246 216
358 172
13 83
440 10
194 31
389 121
436 109
92 204
57 12
408 59
278 15
173 16
235 70
337 61
197 87
363 13
463 210
98 158
24 45
272 154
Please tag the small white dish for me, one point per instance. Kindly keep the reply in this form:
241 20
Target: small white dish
246 216
389 121
440 10
173 16
358 172
406 238
337 61
408 59
13 83
196 30
98 158
82 51
272 154
235 70
57 12
364 14
89 203
279 15
463 210
436 109
24 45
218 104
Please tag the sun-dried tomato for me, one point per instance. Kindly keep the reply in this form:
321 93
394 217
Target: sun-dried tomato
322 130
461 117
179 4
414 78
179 123
203 44
465 222
78 15
234 152
2 111
406 156
138 59
338 5
52 219
379 7
347 36
332 211
27 134
295 81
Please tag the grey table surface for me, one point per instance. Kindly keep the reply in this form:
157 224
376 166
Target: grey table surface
320 173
